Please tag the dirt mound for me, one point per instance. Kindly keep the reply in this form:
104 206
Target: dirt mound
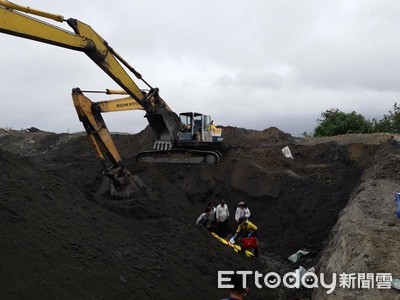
63 237
245 138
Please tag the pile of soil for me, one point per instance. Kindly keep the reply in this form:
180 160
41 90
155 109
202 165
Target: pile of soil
62 236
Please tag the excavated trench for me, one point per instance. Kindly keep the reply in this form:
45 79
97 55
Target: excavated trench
294 202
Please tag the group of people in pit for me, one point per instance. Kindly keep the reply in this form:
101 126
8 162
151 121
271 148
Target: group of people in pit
215 219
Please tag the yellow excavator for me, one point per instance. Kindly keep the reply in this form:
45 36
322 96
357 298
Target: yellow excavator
188 138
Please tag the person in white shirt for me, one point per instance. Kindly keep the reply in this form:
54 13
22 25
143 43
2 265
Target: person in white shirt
222 216
242 211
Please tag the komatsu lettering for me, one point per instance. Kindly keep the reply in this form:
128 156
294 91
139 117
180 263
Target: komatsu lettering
126 104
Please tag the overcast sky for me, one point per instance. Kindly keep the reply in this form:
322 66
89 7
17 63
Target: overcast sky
252 64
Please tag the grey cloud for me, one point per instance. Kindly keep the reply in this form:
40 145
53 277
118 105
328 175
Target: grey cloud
248 63
250 80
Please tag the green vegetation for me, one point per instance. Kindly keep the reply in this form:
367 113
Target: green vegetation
389 123
335 122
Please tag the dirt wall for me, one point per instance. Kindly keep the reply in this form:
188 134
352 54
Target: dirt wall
366 236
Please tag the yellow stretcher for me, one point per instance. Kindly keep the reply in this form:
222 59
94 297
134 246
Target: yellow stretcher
235 247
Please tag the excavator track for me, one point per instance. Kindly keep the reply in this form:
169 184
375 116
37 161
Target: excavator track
180 156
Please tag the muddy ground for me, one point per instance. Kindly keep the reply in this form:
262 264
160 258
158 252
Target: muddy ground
62 237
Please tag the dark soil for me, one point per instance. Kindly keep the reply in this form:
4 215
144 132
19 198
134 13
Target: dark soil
63 237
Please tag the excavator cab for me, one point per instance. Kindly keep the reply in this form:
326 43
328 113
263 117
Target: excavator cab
197 141
196 127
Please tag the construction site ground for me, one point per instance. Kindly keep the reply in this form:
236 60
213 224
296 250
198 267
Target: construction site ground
63 237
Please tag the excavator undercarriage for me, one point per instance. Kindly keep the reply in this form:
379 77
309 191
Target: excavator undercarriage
180 156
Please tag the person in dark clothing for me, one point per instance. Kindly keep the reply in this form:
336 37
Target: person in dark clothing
213 219
238 292
205 219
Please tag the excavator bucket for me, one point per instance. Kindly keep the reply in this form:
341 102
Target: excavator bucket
124 185
164 124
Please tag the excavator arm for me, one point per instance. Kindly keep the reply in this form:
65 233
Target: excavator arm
124 184
161 118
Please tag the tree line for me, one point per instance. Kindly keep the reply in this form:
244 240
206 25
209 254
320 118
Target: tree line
335 122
